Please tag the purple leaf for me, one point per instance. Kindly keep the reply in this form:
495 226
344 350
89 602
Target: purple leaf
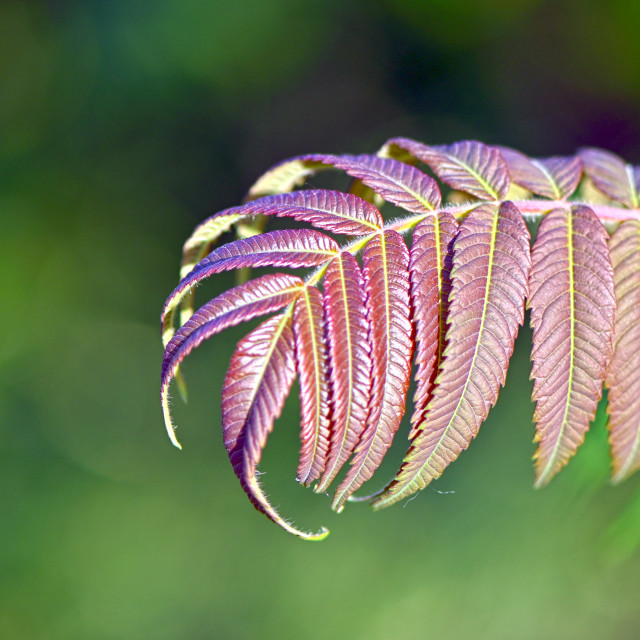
430 268
572 306
394 181
286 248
612 176
555 178
489 283
332 211
623 374
386 273
311 363
347 330
468 166
256 386
244 302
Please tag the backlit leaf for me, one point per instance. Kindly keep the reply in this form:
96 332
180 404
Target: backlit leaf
386 274
468 166
456 298
430 268
332 211
611 175
244 302
572 306
311 363
491 264
284 177
347 330
256 386
394 181
555 178
286 248
623 375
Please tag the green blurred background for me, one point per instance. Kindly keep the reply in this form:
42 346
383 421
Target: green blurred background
122 125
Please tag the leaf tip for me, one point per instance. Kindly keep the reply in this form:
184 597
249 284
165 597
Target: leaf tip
317 537
166 411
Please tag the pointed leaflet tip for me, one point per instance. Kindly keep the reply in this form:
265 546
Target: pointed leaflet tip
332 211
572 304
258 381
489 283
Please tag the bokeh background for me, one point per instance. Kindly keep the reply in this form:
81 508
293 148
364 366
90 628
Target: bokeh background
125 123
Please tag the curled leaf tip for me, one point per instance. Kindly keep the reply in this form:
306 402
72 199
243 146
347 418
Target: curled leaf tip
166 411
316 537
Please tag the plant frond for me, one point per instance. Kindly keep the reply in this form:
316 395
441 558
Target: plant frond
443 288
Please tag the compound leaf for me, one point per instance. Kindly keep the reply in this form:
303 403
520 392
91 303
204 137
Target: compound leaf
258 381
491 264
572 304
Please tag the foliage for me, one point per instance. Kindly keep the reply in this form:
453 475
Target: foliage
452 302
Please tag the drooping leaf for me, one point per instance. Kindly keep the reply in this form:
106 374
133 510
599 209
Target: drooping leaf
572 306
392 180
347 329
244 302
468 166
386 275
431 260
332 211
351 347
555 178
311 363
612 176
623 374
491 264
256 386
286 248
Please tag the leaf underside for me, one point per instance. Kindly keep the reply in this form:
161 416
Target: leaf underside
260 376
311 362
347 329
386 276
623 376
447 299
572 306
488 287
